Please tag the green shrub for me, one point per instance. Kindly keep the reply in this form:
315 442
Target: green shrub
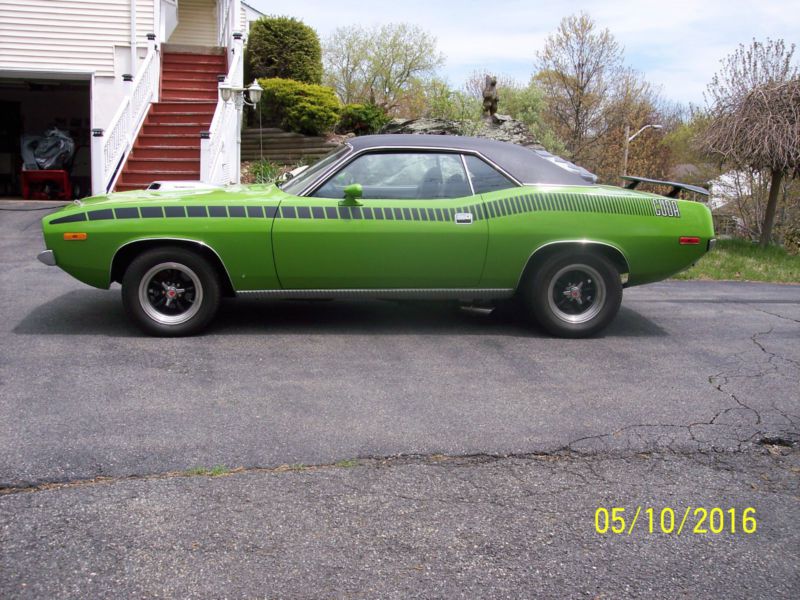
361 119
264 171
284 47
299 107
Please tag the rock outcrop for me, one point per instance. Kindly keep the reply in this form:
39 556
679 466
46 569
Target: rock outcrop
500 127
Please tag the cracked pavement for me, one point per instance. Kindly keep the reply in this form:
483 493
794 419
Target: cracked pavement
692 397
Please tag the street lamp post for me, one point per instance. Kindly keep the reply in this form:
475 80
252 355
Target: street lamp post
629 138
227 93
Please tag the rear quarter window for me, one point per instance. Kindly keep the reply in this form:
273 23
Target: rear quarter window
486 178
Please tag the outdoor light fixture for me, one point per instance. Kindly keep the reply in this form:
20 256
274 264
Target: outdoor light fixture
255 92
225 92
228 92
629 138
251 95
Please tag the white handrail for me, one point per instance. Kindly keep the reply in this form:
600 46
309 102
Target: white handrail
110 148
219 155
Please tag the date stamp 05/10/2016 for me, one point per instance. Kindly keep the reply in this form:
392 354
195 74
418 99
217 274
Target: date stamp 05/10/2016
693 520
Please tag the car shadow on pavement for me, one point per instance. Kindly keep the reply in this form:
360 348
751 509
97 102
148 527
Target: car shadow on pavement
80 312
98 312
344 317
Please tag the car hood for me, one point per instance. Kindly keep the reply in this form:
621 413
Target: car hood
201 196
238 192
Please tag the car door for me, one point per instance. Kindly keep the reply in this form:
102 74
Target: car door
416 226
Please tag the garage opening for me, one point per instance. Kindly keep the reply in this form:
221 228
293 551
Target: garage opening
35 106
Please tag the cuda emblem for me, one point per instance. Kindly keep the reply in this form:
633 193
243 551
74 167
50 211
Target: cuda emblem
666 208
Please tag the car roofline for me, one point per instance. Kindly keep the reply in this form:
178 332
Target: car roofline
351 156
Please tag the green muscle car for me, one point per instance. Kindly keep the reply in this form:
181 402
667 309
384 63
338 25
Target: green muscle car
389 217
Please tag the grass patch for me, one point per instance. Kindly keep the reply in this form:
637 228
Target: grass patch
740 260
215 471
347 463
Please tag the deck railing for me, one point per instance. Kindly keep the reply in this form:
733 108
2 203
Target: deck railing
219 146
111 146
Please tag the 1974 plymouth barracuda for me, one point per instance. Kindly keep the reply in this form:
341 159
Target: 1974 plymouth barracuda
388 216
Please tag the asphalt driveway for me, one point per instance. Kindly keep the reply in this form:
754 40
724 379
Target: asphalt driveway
688 369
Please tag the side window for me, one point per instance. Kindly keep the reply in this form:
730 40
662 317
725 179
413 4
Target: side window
400 175
486 178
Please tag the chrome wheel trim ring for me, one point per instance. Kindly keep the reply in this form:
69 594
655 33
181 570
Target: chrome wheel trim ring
155 314
597 302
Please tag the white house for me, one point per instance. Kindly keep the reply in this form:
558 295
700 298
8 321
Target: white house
133 81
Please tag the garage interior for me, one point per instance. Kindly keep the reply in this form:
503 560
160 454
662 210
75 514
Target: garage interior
31 106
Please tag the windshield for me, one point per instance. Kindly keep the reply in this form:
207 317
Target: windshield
296 184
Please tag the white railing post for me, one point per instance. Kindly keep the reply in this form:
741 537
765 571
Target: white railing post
238 76
205 156
98 163
156 81
128 115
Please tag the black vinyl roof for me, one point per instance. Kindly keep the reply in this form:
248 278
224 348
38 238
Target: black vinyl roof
526 165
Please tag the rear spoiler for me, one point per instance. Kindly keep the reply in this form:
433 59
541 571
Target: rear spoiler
673 193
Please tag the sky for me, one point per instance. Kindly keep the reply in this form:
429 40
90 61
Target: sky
676 44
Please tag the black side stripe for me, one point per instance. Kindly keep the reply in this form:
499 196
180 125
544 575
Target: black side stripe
153 212
126 213
101 215
174 211
492 209
69 219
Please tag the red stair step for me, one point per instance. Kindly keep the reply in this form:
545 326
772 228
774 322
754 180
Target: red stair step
146 177
163 164
172 107
159 139
175 58
145 151
193 95
174 128
188 116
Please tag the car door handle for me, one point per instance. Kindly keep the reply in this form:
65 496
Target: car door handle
463 218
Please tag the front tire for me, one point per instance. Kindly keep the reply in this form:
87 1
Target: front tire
170 291
573 294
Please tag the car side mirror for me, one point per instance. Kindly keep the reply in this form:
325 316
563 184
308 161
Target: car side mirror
352 193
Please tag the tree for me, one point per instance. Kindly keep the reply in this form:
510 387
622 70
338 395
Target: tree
378 66
576 70
286 48
754 117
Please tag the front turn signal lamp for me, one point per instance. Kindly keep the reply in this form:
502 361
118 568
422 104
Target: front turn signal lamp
75 237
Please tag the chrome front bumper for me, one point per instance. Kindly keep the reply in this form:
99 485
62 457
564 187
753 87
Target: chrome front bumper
47 257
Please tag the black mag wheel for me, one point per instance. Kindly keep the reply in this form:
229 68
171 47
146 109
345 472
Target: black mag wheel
170 291
574 294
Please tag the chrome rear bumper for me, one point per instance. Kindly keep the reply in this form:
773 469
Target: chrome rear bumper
47 257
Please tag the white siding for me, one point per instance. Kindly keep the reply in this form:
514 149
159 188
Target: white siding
247 15
197 23
145 20
69 34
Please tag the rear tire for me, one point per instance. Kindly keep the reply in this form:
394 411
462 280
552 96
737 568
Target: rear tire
170 292
573 294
